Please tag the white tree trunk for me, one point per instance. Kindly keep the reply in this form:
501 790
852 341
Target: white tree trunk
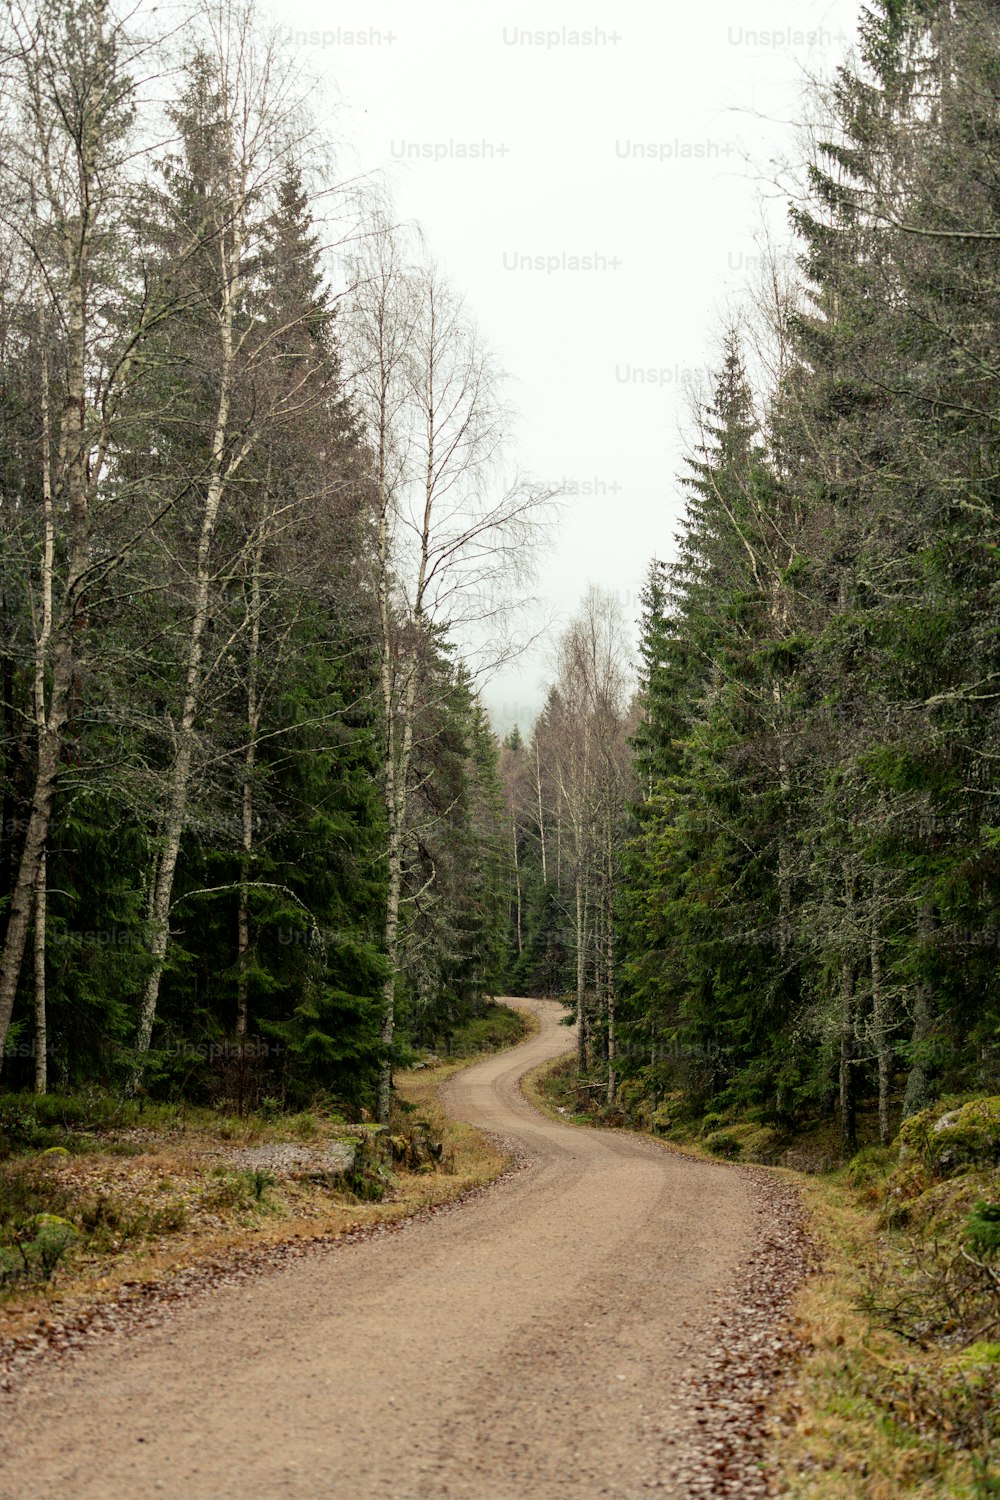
43 637
180 774
249 765
541 811
582 1039
51 717
610 978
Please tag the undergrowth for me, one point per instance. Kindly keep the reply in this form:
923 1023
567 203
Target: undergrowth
90 1182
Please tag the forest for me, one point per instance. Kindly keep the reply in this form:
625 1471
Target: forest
254 482
259 838
267 862
769 875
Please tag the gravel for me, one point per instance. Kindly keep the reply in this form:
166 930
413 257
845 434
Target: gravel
607 1320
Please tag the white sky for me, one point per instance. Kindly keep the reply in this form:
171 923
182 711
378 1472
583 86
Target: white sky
711 92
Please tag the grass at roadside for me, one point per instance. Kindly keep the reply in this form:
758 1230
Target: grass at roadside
897 1392
93 1201
873 1410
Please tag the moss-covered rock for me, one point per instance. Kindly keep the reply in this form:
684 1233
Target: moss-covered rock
869 1170
748 1142
949 1159
946 1140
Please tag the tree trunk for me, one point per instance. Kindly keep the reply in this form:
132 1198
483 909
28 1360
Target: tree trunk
179 783
396 773
51 719
541 811
919 1094
582 1039
784 880
883 1047
610 966
517 887
8 830
249 765
41 1038
848 1080
392 965
23 897
42 639
612 1039
180 776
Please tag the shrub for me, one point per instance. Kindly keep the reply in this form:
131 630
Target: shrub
870 1167
38 1247
983 1230
229 1190
724 1143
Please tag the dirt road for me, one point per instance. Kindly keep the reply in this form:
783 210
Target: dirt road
529 1343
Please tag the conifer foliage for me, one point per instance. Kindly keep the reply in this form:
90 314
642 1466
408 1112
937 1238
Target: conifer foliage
203 592
810 918
804 917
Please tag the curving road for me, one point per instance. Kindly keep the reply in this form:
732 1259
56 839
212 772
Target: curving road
530 1343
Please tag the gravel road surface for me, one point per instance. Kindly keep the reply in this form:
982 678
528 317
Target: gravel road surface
545 1340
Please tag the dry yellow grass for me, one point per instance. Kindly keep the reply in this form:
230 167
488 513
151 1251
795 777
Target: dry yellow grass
845 1425
292 1210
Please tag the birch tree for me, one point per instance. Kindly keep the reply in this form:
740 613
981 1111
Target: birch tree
453 538
69 189
236 124
590 764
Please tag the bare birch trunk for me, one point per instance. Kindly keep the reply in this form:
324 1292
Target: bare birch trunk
541 811
394 850
582 1039
249 765
180 775
43 637
51 718
432 405
610 967
70 158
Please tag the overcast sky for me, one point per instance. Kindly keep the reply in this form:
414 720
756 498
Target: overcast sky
518 144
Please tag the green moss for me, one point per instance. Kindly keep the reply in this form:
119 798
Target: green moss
951 1137
869 1171
756 1143
724 1143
